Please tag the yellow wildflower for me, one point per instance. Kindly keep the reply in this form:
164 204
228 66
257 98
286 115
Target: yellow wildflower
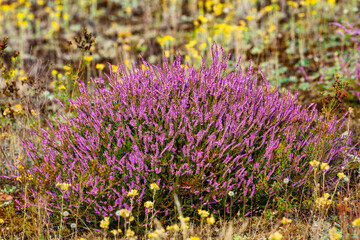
55 25
323 201
168 38
67 68
105 223
203 213
272 28
114 232
62 87
20 16
203 46
156 234
5 7
133 193
6 111
356 222
286 221
63 186
18 108
58 8
249 18
174 227
194 238
154 186
114 68
165 39
310 2
276 236
185 219
332 2
100 66
130 233
324 166
153 235
203 19
211 220
268 8
124 213
314 164
341 175
149 204
88 58
293 4
301 15
1 220
333 234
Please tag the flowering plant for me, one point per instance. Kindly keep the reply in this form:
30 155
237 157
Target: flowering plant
197 133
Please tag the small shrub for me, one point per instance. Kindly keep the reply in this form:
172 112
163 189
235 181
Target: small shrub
197 133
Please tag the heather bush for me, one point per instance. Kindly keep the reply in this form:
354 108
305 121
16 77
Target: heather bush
201 134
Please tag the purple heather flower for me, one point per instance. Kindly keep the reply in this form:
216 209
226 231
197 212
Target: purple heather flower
198 133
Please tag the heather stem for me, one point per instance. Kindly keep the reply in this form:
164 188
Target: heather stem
61 214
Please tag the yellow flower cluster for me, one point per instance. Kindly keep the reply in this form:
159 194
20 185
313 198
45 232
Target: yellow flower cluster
18 109
114 68
225 29
124 213
323 201
129 233
149 204
211 220
286 221
356 222
154 186
165 39
293 4
100 66
324 166
6 111
26 177
314 163
8 7
88 58
194 238
116 232
105 223
333 234
203 213
276 236
156 234
308 2
174 228
186 219
63 186
133 193
341 175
